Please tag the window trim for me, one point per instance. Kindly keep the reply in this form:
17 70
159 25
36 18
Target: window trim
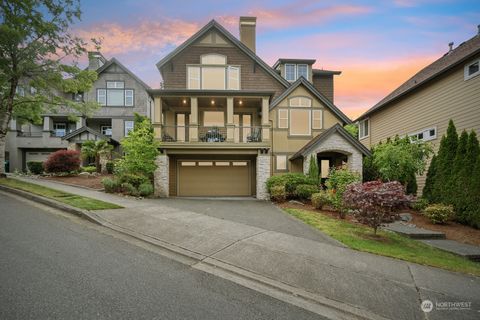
300 106
276 162
470 76
104 96
225 67
280 118
430 138
125 127
302 64
321 119
294 71
309 112
360 129
125 98
213 54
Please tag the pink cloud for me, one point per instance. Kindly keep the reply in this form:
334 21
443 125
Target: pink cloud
297 14
146 36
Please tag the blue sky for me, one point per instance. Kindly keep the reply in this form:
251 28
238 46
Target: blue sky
376 44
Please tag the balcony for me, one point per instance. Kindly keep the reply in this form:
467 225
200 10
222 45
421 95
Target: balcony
211 134
37 134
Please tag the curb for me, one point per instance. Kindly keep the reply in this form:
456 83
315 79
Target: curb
274 288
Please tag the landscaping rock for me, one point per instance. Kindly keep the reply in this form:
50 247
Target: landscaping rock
296 202
413 232
465 250
405 217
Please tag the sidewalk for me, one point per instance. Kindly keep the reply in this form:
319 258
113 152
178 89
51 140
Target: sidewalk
367 285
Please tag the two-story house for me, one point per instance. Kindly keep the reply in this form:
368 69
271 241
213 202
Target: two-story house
227 120
449 88
118 91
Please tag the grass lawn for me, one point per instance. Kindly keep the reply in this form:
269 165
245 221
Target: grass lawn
64 197
388 244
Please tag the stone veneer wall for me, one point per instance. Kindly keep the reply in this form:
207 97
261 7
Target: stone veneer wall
263 173
160 176
336 143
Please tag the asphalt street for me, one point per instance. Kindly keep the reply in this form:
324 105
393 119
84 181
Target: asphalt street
56 266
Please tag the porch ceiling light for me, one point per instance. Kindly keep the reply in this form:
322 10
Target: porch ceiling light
212 102
240 102
184 101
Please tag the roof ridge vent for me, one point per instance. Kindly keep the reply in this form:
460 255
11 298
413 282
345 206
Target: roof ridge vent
450 45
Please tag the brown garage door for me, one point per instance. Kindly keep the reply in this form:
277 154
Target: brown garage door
214 178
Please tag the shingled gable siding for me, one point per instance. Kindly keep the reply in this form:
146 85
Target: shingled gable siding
449 97
324 84
253 77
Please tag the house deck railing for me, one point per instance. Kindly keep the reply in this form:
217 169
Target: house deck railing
212 134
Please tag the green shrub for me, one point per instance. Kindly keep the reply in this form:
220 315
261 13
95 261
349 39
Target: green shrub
305 191
111 185
278 194
134 179
35 167
89 169
337 183
145 189
290 181
129 189
438 213
420 204
110 167
320 199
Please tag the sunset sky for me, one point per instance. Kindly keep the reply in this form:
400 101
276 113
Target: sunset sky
376 44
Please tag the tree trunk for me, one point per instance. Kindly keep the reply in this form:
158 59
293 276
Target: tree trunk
97 163
3 139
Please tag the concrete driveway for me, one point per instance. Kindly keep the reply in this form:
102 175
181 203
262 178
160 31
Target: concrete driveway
260 214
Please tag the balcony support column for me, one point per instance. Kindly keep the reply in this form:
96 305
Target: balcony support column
157 118
193 124
230 123
265 119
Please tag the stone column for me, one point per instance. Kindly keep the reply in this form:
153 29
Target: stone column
263 173
306 163
160 176
230 124
47 124
157 118
193 125
265 119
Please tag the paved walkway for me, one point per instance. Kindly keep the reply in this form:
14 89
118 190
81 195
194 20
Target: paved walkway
374 286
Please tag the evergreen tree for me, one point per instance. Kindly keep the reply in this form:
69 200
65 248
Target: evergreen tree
313 170
458 179
445 158
473 207
469 207
430 179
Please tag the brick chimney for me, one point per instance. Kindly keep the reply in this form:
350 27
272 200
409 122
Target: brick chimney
248 32
95 60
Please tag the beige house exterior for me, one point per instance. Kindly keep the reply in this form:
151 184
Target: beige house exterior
227 121
449 88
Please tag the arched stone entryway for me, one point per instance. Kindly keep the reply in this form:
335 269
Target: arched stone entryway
331 159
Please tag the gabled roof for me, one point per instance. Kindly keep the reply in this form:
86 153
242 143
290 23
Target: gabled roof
315 92
89 130
118 63
293 60
448 61
322 136
214 25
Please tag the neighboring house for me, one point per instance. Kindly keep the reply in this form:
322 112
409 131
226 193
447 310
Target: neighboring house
227 121
449 88
120 94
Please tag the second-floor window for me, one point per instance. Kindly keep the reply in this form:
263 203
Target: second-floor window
60 129
106 130
472 69
363 128
295 71
115 95
128 126
213 74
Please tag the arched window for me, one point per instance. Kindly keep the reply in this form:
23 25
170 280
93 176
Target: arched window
213 58
302 102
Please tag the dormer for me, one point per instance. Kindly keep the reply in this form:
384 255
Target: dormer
292 69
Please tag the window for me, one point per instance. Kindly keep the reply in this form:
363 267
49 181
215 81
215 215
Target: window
363 128
128 126
106 130
78 97
472 69
301 102
282 118
205 163
59 129
188 163
129 98
213 119
102 97
222 163
324 168
233 78
20 91
281 162
302 71
425 134
239 163
300 123
193 77
33 91
115 84
317 119
290 72
213 74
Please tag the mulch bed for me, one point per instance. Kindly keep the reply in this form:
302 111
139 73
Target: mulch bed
93 182
452 230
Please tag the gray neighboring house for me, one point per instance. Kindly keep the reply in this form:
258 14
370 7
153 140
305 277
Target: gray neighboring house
117 90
